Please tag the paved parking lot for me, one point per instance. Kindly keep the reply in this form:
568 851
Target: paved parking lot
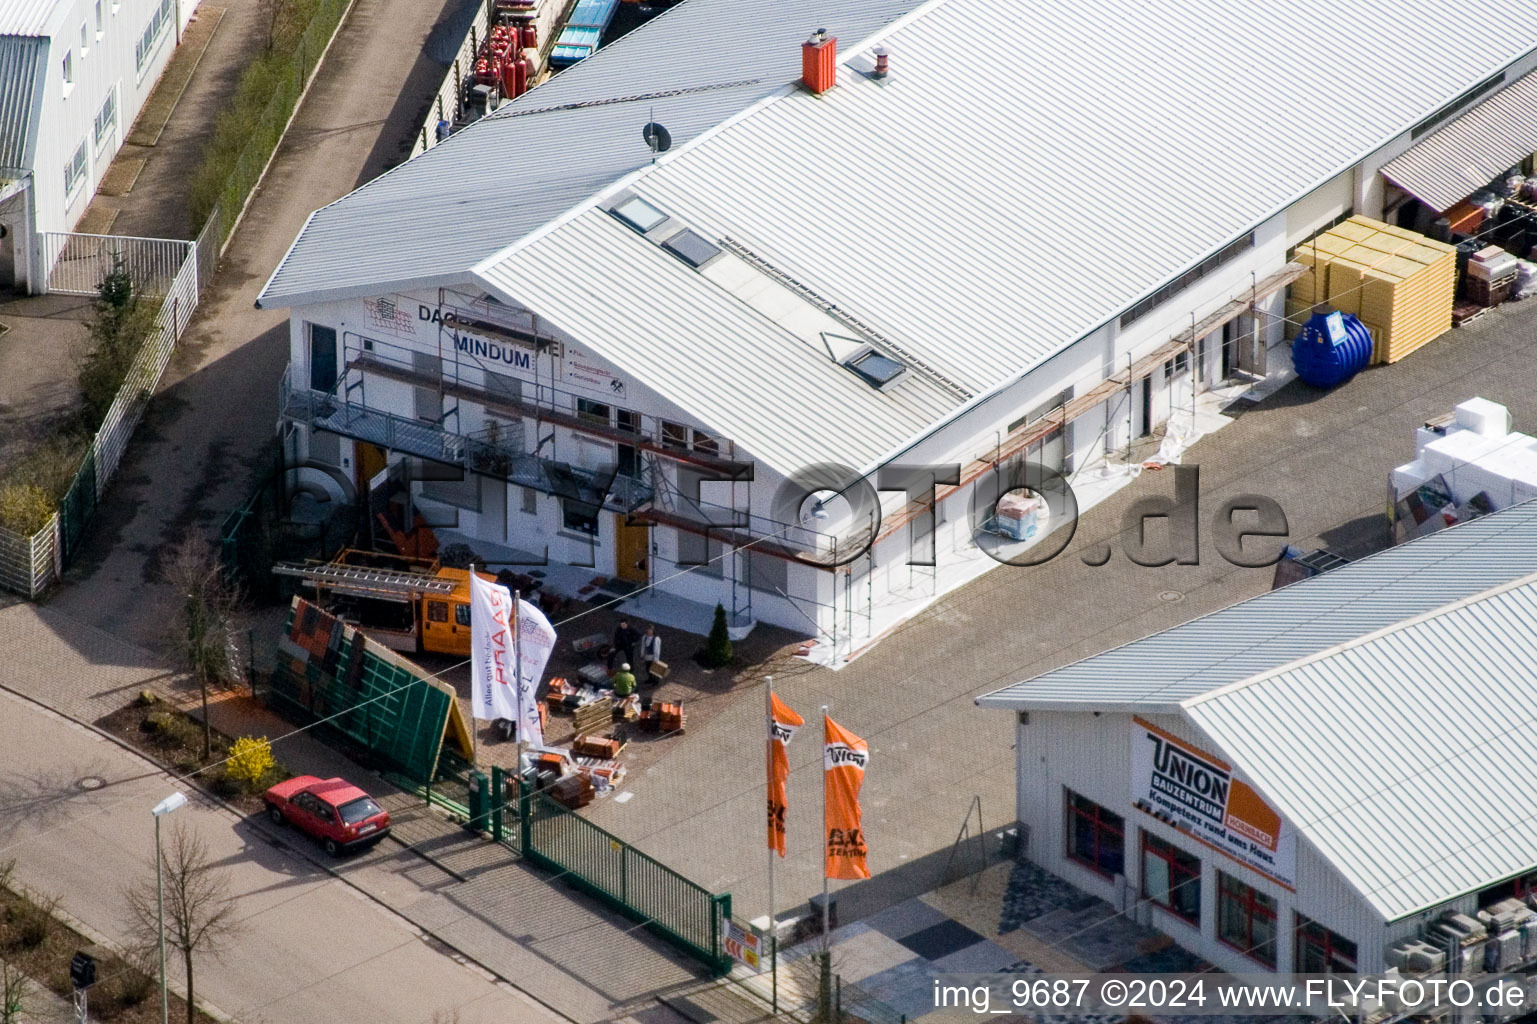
1323 456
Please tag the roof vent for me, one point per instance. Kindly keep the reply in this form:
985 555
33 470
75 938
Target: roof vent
819 61
882 62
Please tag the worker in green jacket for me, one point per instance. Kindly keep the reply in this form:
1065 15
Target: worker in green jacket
623 681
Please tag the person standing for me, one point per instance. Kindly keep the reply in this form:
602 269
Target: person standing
625 638
650 654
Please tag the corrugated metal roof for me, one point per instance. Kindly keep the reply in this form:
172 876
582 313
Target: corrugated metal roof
27 17
1458 160
1406 759
23 63
559 145
707 351
989 212
1161 671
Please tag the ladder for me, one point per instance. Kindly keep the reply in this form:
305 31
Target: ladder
357 581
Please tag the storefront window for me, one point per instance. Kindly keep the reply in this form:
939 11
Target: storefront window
1095 836
1320 951
1246 920
1171 878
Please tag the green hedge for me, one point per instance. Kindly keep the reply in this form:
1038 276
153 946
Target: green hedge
247 133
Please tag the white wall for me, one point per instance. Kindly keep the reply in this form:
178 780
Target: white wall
409 329
1091 755
105 65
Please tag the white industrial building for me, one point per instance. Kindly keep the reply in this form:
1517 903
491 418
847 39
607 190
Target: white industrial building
1047 248
1314 778
73 76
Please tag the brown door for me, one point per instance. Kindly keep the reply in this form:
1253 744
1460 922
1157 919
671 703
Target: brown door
632 547
370 459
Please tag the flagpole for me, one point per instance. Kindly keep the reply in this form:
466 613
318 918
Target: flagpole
517 682
474 722
826 916
768 747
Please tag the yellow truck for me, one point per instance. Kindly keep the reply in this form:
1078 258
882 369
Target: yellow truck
410 605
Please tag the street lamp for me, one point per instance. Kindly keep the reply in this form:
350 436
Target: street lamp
161 809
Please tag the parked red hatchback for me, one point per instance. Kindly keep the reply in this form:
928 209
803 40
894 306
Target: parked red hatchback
334 811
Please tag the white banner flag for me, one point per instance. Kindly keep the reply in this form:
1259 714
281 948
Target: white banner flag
536 641
491 669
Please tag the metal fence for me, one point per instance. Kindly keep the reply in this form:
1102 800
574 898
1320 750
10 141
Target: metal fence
76 263
29 565
600 863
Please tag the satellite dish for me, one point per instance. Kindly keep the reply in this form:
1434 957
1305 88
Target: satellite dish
657 137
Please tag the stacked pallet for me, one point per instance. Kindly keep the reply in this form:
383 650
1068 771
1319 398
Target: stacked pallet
662 717
604 748
1399 283
594 717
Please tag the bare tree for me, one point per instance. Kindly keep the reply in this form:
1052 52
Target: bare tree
204 636
14 989
281 18
199 911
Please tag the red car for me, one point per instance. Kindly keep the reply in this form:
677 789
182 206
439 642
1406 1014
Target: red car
334 811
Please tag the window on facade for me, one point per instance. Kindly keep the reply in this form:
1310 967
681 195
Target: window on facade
1187 279
428 400
1171 878
705 554
592 412
159 21
530 500
106 118
69 67
579 516
463 493
1246 919
75 170
627 420
1321 951
766 572
1095 836
503 386
85 38
98 19
629 461
322 358
674 435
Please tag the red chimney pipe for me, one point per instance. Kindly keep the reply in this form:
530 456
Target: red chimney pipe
819 61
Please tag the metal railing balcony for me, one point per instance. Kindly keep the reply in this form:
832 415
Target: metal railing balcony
321 410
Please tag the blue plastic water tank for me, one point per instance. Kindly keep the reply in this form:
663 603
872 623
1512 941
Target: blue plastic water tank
1331 349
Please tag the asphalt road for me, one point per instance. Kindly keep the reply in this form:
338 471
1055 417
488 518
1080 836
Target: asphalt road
311 949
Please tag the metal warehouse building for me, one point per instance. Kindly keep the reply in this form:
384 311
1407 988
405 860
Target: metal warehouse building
73 76
1047 248
1314 779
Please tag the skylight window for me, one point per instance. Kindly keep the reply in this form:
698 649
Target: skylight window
877 369
691 247
639 214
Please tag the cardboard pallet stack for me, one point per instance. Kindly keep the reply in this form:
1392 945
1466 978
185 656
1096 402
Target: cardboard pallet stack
1400 283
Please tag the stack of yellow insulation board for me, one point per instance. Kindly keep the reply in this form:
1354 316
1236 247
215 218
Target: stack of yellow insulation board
1401 284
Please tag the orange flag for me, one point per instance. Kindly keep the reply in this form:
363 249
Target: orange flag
844 757
781 730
